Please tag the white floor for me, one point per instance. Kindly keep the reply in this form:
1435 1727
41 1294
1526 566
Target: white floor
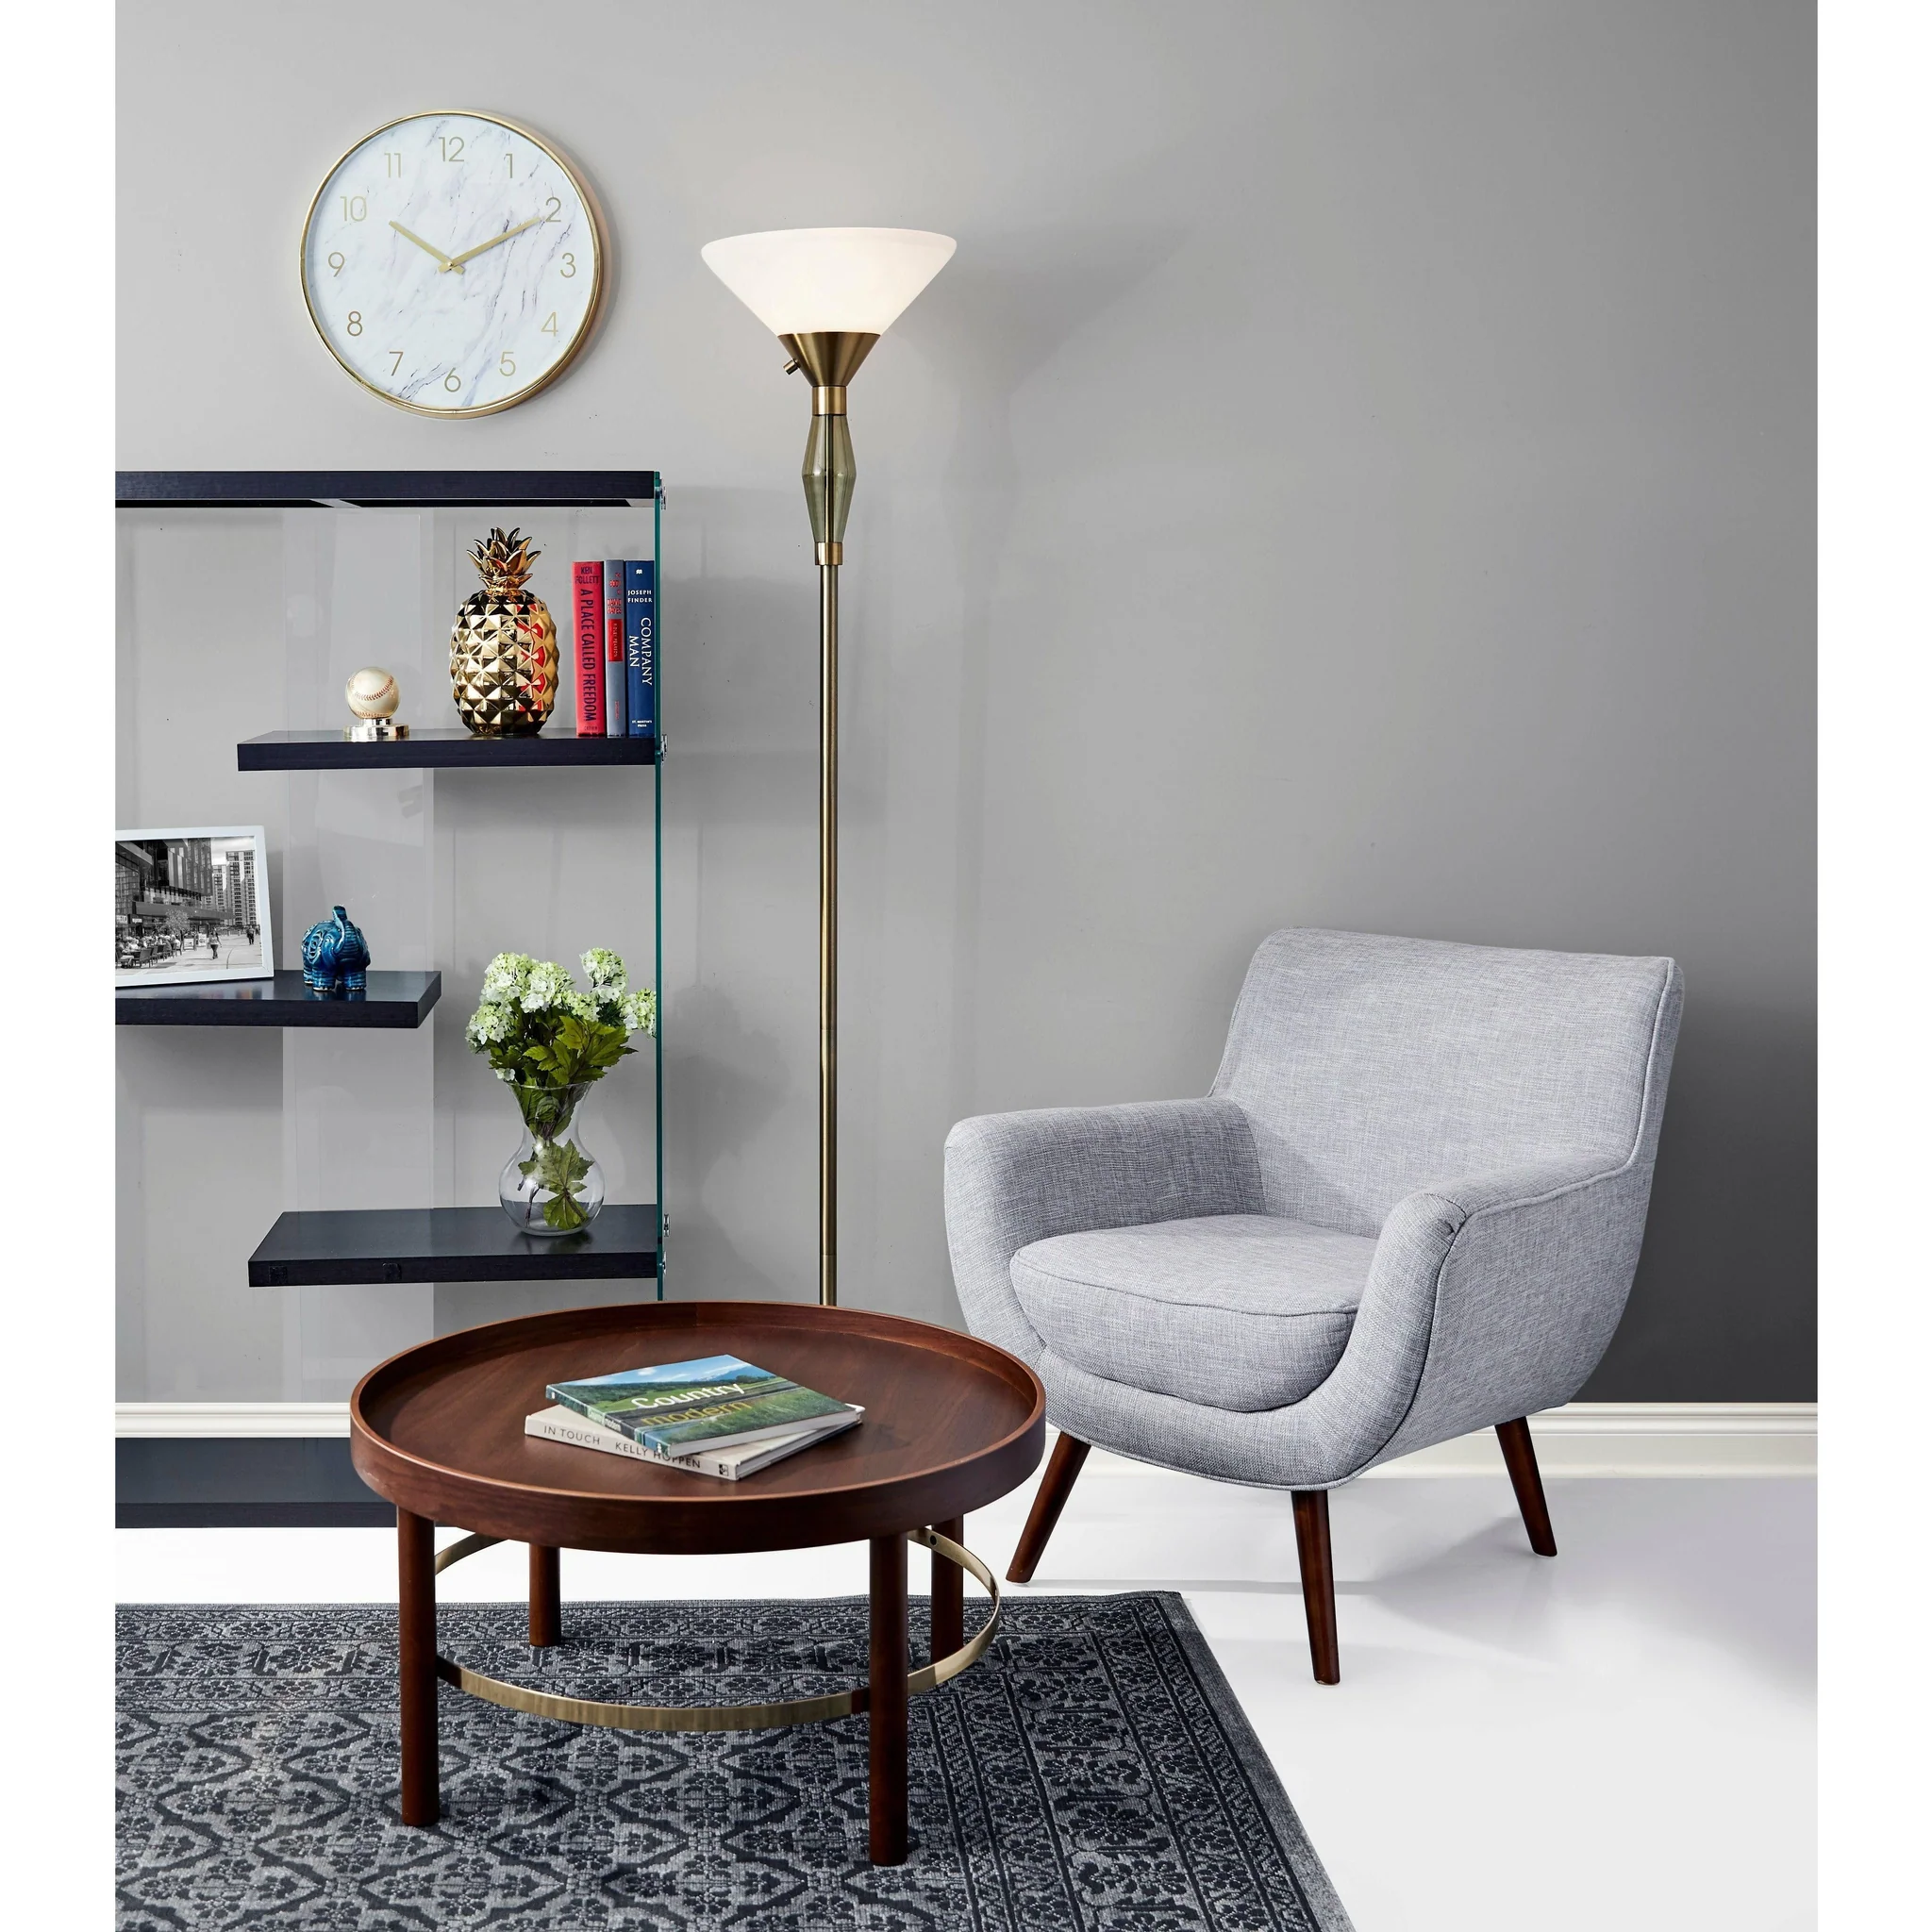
1621 1738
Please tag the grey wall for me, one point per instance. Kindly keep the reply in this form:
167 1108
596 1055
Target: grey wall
1357 470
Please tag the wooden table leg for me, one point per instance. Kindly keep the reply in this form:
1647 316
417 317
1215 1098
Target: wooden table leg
887 1700
546 1603
948 1594
416 1664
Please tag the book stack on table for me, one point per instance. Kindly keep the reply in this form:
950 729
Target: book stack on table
716 1416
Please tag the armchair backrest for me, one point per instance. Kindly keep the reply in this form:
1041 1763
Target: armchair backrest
1370 1067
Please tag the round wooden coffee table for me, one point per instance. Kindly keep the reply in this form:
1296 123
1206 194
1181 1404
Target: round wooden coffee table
951 1423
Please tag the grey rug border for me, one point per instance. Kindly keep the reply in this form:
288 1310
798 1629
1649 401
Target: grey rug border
1265 1781
1270 1791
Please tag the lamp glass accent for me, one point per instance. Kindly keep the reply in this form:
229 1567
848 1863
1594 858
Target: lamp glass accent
799 281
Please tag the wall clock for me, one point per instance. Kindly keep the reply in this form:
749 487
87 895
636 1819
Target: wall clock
453 262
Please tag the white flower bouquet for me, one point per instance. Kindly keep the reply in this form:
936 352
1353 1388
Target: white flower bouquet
550 1042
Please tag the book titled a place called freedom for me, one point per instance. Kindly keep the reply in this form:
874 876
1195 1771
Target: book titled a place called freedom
587 603
715 1402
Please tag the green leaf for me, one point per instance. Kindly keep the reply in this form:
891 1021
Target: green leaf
560 1167
563 1212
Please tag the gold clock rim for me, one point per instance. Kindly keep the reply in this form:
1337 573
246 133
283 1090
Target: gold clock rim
585 330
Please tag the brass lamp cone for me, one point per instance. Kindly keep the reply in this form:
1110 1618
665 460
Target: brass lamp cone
830 356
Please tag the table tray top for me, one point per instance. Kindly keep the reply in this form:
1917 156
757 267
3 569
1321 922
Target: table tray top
951 1423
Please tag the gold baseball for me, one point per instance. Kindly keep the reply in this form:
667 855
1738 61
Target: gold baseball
372 693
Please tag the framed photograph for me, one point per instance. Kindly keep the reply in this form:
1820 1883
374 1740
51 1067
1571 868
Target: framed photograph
190 903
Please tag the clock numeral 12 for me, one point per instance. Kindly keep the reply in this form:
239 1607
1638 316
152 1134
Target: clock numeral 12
447 142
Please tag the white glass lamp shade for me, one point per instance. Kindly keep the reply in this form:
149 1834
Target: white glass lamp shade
798 282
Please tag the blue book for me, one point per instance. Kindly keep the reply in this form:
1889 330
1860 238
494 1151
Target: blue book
613 649
641 648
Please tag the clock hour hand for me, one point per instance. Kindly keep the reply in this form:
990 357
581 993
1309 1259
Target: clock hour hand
447 262
456 261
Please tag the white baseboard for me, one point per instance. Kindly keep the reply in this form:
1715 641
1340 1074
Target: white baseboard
1642 1439
1623 1439
249 1419
1580 1439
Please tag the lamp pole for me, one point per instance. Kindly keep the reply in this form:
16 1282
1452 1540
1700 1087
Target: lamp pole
828 358
830 559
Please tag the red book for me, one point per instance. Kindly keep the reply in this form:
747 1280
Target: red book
587 596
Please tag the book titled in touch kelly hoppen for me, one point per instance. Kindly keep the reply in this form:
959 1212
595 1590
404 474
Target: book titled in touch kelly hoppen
715 1402
561 1425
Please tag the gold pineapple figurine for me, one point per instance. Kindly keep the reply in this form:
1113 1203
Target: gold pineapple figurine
503 649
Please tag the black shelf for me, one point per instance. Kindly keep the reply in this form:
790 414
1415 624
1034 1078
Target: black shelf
376 1245
329 751
395 1000
383 489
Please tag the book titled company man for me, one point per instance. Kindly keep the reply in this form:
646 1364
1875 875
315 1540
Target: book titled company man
641 648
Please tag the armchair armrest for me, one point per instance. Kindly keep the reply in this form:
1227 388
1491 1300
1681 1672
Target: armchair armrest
1015 1179
1519 1187
1514 1280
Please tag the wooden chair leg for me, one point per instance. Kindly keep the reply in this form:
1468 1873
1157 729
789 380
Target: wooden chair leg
1069 1453
1519 1452
1318 1582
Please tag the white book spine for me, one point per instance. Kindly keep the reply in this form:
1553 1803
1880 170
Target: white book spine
561 1425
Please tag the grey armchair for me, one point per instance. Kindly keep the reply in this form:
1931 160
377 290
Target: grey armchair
1411 1207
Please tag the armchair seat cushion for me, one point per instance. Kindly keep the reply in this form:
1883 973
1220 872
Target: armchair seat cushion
1234 1312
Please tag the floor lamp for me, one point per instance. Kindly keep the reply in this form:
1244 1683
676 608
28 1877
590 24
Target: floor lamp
829 294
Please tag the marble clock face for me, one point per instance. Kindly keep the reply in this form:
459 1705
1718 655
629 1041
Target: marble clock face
453 263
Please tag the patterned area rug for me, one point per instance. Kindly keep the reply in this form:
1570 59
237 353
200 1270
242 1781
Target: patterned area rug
1092 1772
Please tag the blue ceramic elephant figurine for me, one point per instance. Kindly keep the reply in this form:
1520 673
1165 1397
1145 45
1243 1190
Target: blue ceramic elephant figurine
335 956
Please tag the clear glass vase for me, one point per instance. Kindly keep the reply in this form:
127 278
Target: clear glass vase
550 1184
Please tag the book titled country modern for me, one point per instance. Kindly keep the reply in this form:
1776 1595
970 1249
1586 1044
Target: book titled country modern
641 648
561 1425
714 1402
587 608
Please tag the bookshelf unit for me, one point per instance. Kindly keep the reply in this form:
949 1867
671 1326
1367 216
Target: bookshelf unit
304 517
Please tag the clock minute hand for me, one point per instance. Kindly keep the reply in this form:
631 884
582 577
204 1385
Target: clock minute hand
456 261
447 263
